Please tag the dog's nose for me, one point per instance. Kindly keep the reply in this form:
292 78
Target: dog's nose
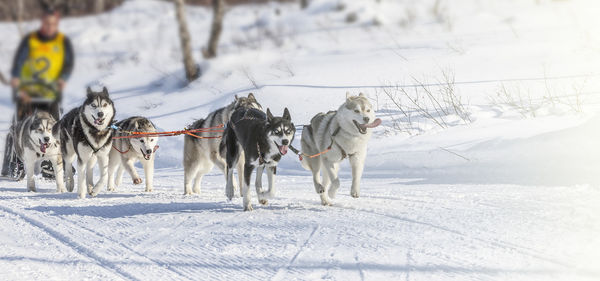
148 151
100 114
366 119
47 139
285 142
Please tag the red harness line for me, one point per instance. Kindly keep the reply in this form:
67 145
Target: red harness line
215 129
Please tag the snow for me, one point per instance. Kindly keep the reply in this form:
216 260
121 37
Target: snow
508 196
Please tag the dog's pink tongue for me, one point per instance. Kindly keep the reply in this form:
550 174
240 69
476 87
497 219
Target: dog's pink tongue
283 149
373 124
43 147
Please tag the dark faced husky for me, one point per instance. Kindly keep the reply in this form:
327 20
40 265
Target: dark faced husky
85 134
35 142
347 131
263 139
126 151
201 154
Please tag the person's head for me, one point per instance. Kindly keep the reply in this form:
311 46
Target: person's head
49 22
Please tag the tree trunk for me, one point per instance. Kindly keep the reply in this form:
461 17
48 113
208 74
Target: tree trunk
191 69
303 4
19 17
99 6
215 29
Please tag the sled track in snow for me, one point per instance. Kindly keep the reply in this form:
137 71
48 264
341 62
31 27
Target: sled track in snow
112 248
70 243
499 244
279 275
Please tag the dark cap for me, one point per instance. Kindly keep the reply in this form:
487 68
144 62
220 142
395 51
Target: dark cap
48 9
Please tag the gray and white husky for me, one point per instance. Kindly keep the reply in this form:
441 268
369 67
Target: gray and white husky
126 151
85 134
201 154
34 142
347 132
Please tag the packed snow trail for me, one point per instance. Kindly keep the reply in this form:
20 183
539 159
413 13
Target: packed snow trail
396 230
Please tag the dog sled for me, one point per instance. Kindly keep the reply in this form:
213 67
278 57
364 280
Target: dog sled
43 96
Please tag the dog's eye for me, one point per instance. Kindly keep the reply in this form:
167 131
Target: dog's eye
368 110
104 105
94 106
356 110
141 141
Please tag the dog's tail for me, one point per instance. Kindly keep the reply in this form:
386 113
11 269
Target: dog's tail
307 144
228 142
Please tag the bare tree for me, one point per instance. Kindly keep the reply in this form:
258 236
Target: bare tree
215 29
191 69
303 4
19 17
99 6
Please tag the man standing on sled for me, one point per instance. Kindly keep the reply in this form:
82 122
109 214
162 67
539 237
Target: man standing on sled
41 66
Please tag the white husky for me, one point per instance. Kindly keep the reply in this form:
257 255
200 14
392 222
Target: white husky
126 151
346 132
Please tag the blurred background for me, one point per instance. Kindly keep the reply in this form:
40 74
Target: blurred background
482 79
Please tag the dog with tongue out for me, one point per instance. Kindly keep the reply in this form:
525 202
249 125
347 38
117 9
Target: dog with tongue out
263 138
34 143
334 136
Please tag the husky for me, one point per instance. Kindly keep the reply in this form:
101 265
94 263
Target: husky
346 133
201 154
126 151
263 139
35 142
85 134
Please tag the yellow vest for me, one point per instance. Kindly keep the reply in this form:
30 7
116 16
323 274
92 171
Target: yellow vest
45 63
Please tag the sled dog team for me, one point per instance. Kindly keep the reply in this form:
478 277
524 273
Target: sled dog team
252 139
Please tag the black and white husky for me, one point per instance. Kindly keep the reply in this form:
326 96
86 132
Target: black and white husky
346 131
201 154
126 151
263 139
34 142
85 134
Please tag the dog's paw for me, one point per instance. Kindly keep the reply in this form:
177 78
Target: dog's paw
111 188
137 181
149 189
354 194
332 192
263 201
326 203
248 208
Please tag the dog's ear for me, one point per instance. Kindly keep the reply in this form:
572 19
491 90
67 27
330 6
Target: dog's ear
361 95
89 91
286 115
136 125
251 96
269 115
235 98
105 91
348 95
